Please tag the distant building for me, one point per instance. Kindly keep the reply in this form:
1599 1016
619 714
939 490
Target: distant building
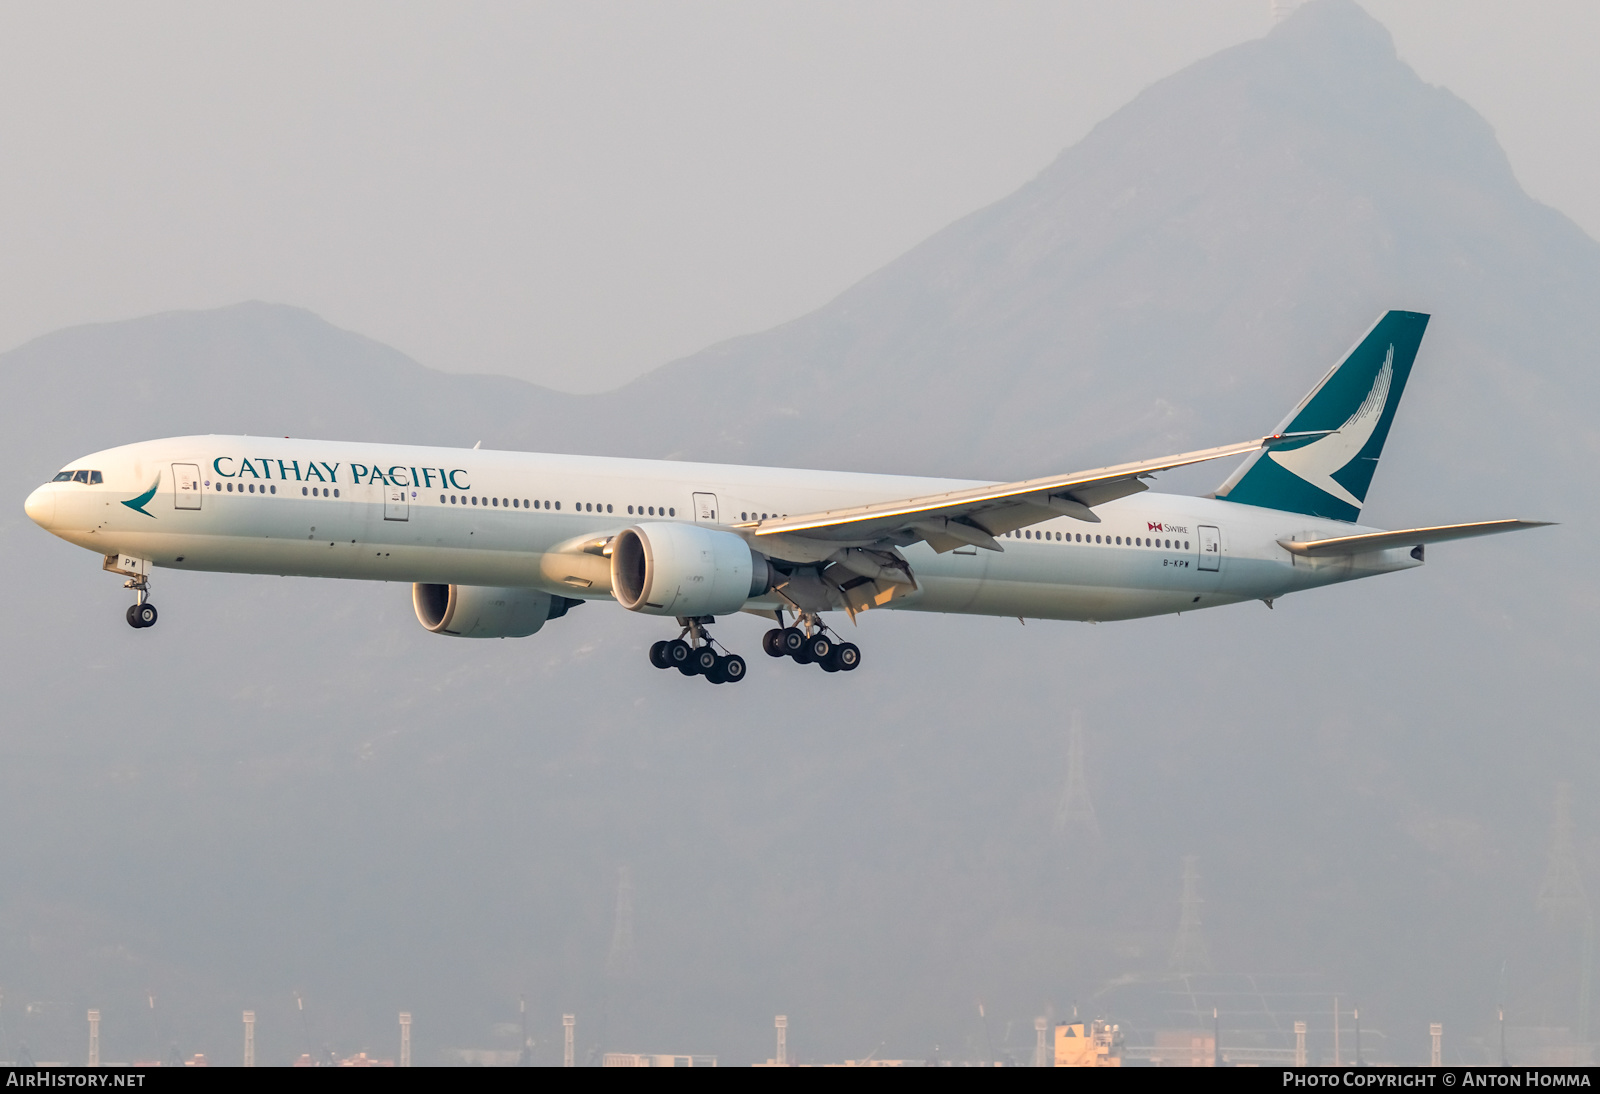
633 1059
1088 1044
361 1059
1183 1048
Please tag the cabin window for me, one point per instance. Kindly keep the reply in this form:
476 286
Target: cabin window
273 488
672 512
496 502
515 504
608 508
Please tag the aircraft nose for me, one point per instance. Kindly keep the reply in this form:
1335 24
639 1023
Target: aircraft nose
41 506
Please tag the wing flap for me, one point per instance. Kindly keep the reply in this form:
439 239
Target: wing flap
1409 537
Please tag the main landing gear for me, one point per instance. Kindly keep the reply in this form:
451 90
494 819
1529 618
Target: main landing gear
141 613
694 653
810 643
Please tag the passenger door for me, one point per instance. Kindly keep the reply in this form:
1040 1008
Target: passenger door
396 505
186 486
705 508
1210 547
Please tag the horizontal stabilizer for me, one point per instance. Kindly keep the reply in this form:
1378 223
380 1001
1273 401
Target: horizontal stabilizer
1408 537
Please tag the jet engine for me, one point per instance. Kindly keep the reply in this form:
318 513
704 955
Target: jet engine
685 569
478 611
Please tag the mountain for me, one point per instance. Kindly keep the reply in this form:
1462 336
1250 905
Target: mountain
289 787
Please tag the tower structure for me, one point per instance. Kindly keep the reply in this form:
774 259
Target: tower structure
94 1038
1564 901
620 961
405 1038
1189 953
1561 893
249 1038
781 1024
1436 1031
1075 816
1041 1053
1299 1044
568 1053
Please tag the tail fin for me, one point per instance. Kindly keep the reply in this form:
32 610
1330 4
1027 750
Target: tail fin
1329 476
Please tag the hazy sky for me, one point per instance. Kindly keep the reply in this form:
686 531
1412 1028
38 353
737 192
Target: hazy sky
576 193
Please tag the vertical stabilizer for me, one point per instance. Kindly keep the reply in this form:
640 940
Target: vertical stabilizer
1329 476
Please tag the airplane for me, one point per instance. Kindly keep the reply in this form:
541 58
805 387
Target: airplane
497 544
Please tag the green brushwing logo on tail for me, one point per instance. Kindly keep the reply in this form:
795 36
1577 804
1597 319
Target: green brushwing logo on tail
1354 405
138 504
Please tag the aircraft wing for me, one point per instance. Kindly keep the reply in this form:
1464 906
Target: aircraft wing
975 516
1409 537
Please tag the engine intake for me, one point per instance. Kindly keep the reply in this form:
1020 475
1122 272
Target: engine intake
685 569
479 611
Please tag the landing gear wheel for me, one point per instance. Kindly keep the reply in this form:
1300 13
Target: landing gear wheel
705 661
819 648
793 640
847 656
658 655
142 615
772 642
716 673
133 619
679 656
732 669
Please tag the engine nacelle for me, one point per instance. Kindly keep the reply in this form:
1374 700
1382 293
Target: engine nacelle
478 611
684 569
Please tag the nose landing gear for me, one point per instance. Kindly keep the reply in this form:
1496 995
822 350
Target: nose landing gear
694 653
809 642
141 613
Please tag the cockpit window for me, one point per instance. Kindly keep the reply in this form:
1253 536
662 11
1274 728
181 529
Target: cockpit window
80 476
94 478
62 476
90 478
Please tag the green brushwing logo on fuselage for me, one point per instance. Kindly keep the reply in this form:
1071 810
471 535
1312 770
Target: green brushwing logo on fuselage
138 504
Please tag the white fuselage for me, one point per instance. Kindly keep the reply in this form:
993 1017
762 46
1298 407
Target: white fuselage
401 513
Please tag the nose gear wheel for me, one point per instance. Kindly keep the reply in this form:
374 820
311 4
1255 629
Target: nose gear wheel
141 613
